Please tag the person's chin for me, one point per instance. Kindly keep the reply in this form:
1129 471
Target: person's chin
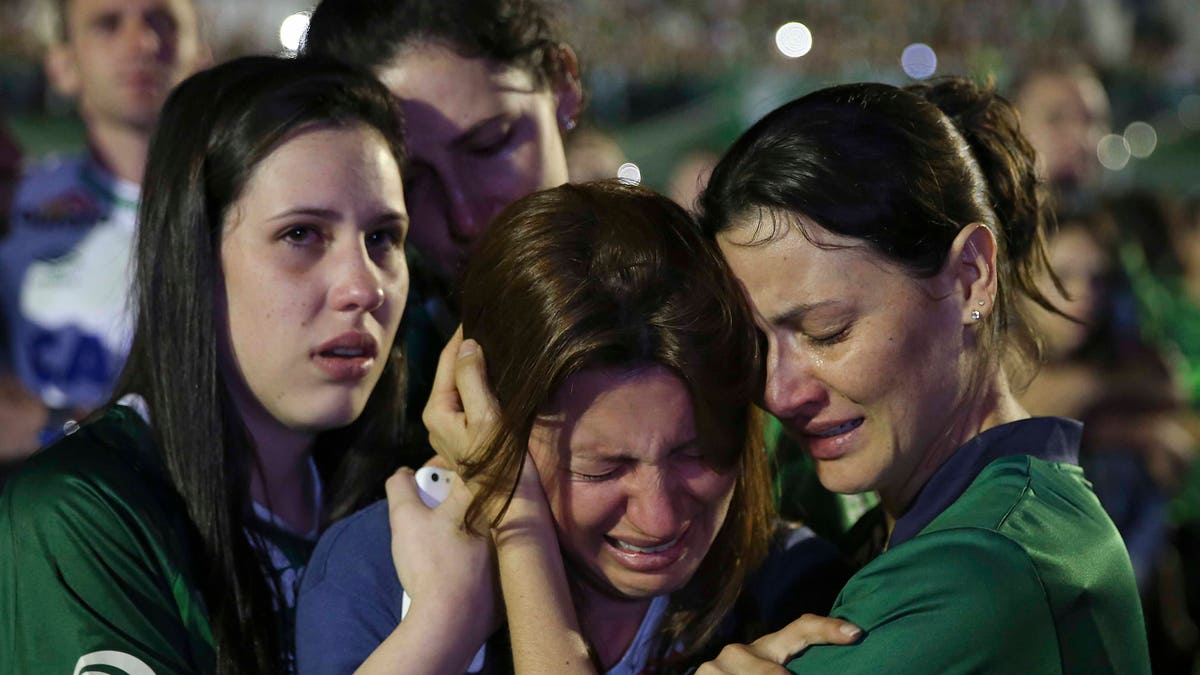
635 585
841 476
333 414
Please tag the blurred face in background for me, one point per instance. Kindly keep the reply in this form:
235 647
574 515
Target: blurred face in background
1064 116
1083 266
480 135
120 58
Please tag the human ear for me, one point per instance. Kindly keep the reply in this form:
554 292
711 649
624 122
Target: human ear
971 267
568 90
62 70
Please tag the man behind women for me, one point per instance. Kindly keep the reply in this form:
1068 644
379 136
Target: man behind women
64 266
488 88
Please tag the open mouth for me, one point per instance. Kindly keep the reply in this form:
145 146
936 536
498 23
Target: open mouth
346 353
349 356
838 430
633 548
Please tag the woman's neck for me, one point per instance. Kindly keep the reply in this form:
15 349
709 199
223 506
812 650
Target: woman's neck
609 624
281 476
993 406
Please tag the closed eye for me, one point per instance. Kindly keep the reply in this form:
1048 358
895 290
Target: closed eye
493 144
592 477
829 338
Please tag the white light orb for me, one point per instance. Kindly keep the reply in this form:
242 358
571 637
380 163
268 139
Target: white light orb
793 39
1142 139
919 61
1113 152
629 173
292 30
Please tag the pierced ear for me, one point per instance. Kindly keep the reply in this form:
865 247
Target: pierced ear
568 90
971 267
61 70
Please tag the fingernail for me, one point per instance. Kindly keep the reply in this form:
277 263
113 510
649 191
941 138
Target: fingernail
852 631
467 348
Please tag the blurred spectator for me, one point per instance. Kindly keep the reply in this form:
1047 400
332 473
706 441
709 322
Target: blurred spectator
1064 113
64 266
1139 433
1162 255
22 417
592 155
10 173
1094 370
1129 372
690 176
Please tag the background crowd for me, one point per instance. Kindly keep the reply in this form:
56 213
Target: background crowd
1108 93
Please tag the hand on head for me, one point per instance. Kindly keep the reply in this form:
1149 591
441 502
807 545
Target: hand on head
462 414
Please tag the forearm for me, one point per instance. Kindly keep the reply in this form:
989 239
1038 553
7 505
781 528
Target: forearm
544 629
423 644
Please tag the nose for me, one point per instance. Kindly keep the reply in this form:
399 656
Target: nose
468 218
792 389
357 285
142 36
653 506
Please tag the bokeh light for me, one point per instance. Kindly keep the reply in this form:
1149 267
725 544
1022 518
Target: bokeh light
1142 139
919 61
629 173
1113 152
793 39
292 30
1189 111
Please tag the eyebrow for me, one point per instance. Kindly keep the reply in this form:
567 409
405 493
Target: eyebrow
331 214
624 456
798 312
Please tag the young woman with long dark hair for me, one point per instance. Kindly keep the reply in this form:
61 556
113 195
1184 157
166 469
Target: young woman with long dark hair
167 533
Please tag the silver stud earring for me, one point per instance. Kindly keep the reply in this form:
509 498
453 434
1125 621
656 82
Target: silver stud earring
982 303
976 314
568 123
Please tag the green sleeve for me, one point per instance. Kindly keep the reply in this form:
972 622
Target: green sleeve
85 579
958 601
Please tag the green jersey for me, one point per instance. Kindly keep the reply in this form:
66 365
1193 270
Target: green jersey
98 571
1004 563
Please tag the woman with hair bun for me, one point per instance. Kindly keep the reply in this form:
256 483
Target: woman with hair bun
890 241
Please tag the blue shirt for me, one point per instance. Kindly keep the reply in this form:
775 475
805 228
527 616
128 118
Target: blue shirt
350 595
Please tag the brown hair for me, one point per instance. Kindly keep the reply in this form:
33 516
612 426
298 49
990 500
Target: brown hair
903 170
609 274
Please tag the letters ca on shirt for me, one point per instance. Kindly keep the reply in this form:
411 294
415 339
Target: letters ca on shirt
78 317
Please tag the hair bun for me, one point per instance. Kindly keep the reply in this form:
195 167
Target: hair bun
991 127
